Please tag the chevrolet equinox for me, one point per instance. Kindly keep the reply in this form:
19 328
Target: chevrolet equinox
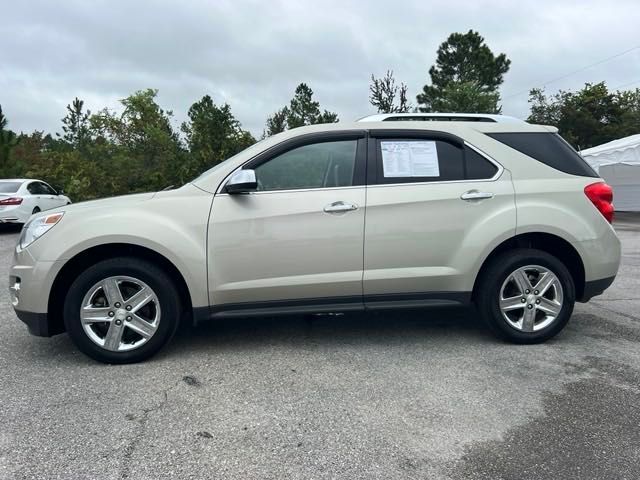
331 218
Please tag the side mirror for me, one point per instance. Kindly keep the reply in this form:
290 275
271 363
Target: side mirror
243 181
59 190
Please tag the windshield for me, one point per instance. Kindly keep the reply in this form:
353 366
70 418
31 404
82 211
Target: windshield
9 187
247 151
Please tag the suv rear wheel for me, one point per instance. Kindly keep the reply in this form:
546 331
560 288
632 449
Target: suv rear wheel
122 310
526 296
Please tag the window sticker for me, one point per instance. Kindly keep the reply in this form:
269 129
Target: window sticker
409 159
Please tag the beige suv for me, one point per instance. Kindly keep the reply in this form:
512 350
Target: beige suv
331 218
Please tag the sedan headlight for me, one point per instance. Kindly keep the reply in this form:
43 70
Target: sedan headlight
37 227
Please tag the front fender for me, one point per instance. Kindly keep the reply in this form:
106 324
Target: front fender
173 225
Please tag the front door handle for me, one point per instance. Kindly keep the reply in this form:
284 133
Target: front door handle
340 207
475 195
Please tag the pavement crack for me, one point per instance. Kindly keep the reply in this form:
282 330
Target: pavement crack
141 430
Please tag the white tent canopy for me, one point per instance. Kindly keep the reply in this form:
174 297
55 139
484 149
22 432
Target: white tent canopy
618 162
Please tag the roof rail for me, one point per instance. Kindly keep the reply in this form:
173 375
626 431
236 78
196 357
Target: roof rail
440 117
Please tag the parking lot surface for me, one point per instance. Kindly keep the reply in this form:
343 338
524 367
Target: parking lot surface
405 395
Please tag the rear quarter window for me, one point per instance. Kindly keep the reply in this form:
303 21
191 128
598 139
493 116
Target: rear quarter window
547 148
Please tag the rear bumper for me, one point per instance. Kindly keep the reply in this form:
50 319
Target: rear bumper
14 214
595 287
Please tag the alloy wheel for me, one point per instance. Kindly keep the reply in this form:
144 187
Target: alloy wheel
531 298
120 313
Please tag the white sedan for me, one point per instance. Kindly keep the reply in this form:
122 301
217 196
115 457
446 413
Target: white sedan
21 198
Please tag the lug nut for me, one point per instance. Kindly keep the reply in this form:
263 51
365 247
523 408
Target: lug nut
526 291
536 292
111 314
117 305
128 307
129 318
529 306
523 299
118 322
537 301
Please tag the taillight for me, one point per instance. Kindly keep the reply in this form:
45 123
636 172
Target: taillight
601 195
11 201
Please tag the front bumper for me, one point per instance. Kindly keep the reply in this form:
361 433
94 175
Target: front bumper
37 324
30 283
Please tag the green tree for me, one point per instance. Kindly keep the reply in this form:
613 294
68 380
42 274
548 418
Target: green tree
383 92
302 110
465 77
212 135
8 141
138 147
75 124
276 123
467 97
590 116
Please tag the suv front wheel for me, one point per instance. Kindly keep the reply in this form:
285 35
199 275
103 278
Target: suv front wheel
122 310
526 296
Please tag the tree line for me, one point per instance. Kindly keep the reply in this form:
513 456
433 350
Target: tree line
106 153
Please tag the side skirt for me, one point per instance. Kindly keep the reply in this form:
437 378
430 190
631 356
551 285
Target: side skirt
332 305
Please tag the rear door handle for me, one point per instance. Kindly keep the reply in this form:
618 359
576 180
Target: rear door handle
475 195
340 207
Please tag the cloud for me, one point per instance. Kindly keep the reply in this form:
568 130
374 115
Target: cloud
252 54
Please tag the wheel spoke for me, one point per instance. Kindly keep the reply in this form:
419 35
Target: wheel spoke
140 299
549 307
112 291
521 279
528 320
113 337
141 326
95 314
545 282
512 303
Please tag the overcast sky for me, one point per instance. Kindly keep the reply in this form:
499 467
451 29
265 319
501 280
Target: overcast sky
252 54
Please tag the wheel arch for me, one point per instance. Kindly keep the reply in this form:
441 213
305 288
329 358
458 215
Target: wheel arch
547 242
82 260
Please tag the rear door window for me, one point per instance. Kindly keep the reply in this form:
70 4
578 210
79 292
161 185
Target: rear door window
417 160
410 160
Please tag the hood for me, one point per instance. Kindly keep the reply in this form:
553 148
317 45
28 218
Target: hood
110 202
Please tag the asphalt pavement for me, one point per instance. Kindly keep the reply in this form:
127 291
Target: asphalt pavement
406 395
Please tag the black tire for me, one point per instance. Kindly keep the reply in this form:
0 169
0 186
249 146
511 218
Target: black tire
156 278
35 210
490 284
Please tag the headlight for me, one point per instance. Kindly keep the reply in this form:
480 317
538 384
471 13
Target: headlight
38 227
